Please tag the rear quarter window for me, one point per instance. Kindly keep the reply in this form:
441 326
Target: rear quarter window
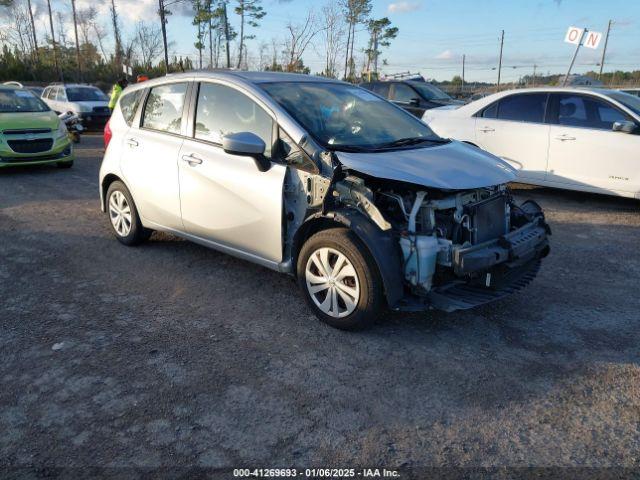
129 105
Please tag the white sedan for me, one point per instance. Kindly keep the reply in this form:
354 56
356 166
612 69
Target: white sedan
577 139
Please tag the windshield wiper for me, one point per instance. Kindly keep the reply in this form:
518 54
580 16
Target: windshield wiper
403 142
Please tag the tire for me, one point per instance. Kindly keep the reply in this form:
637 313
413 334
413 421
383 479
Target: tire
68 164
364 289
123 216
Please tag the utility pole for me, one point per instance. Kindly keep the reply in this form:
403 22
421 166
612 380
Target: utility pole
463 60
164 35
575 55
604 49
75 29
53 42
500 61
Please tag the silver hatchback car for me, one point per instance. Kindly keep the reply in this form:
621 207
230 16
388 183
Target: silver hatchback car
325 181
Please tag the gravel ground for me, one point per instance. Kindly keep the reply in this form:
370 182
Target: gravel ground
173 355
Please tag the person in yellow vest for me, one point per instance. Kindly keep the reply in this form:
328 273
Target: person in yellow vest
116 91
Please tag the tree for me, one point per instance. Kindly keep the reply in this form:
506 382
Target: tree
333 37
300 35
380 35
200 20
149 43
355 12
53 43
116 34
250 12
75 29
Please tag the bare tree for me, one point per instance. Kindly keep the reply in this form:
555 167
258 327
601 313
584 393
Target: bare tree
298 39
53 42
333 37
75 29
116 33
148 38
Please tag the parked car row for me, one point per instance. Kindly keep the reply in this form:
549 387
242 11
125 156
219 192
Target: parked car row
89 103
413 95
30 132
573 138
330 183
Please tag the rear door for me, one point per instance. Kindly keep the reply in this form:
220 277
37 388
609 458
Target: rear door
514 129
225 199
585 152
150 155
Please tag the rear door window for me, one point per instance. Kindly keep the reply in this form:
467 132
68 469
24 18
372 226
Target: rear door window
584 111
222 110
163 110
528 108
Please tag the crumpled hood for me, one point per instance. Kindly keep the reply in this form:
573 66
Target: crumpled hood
452 166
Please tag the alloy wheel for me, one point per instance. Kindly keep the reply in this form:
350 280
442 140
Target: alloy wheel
120 213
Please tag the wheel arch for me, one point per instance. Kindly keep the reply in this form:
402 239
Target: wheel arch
381 245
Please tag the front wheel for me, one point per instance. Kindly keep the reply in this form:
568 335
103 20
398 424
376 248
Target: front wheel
123 216
339 279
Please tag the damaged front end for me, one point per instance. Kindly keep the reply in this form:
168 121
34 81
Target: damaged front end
457 249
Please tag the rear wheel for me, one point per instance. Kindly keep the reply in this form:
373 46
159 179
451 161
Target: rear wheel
123 216
340 282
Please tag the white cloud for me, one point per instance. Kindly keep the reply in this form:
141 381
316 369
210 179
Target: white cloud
404 7
446 55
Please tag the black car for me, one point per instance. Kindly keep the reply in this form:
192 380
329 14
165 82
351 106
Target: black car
412 95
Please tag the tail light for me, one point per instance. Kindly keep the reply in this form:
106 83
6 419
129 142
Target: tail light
107 134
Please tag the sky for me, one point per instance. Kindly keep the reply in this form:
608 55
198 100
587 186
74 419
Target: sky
435 34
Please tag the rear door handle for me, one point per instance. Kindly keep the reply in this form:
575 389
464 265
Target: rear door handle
192 159
132 142
487 129
565 137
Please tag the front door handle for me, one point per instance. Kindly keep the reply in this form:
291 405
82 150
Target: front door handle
487 129
132 142
192 159
565 137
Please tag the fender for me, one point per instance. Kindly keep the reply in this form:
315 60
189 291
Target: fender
382 244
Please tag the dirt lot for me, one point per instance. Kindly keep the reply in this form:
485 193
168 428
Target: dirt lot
170 354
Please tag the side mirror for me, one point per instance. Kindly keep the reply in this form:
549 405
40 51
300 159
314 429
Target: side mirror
625 126
247 144
414 102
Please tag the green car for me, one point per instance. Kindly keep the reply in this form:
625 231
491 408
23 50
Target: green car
30 132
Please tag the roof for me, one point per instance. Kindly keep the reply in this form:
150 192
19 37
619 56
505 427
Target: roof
237 75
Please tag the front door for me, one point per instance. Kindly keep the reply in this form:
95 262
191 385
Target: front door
585 152
225 198
513 128
150 156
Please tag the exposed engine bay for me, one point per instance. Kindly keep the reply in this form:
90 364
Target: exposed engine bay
459 248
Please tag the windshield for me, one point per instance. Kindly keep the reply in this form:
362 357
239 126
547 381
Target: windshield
344 117
630 101
430 92
20 101
85 94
